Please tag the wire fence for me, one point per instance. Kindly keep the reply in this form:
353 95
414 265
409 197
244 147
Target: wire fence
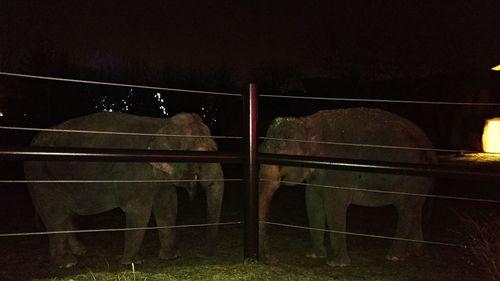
237 137
372 145
380 100
91 82
114 133
116 181
382 191
119 229
363 234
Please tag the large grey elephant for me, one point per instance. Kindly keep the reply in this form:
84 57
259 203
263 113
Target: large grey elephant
328 206
57 203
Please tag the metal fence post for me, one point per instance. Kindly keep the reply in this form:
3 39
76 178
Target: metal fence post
251 235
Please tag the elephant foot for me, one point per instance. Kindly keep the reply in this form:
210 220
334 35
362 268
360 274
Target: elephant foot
129 261
269 260
132 266
68 261
169 255
417 250
76 246
395 258
78 250
317 254
339 262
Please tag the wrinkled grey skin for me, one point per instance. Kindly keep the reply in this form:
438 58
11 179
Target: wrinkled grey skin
327 207
58 203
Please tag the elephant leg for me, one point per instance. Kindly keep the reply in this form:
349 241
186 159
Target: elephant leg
266 192
60 251
55 217
137 216
214 191
416 233
316 216
75 245
165 212
336 211
406 218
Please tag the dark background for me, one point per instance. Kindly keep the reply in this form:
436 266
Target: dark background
414 50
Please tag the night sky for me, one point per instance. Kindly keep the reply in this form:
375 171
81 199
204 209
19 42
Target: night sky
443 35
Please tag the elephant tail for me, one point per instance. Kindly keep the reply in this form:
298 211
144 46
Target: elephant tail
38 221
430 158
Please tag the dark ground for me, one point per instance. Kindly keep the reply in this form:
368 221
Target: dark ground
26 257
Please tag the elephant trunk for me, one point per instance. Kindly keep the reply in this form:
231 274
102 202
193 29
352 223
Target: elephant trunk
214 191
269 176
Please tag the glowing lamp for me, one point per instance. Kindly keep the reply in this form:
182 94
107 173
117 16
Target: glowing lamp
491 136
496 68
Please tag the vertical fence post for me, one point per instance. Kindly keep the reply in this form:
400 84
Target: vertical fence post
251 189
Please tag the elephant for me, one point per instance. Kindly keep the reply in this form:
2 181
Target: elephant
58 203
328 206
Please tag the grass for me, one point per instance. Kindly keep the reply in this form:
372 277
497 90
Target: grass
26 258
102 261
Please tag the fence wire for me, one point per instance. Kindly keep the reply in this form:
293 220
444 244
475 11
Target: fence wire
116 181
115 133
363 234
389 192
117 229
373 145
381 100
116 84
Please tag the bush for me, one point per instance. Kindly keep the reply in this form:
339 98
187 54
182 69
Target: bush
483 241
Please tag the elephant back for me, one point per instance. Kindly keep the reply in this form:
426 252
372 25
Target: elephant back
368 134
127 131
101 130
185 124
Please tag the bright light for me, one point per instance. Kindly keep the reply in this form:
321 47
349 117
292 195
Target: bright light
496 68
1 114
491 136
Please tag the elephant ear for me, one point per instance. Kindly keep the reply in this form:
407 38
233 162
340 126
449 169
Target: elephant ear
172 128
313 133
200 129
163 167
278 129
182 124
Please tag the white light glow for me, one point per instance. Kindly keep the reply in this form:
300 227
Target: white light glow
491 136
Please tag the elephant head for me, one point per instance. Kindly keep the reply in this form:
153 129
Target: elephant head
271 176
183 125
280 131
199 140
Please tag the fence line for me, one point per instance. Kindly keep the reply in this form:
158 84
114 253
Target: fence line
116 84
390 192
40 77
114 133
116 181
381 100
372 145
265 96
116 229
363 234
